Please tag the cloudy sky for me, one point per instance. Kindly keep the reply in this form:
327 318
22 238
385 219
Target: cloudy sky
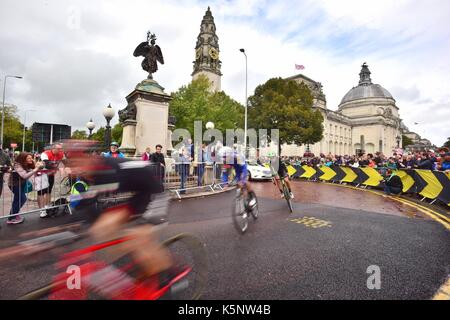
76 56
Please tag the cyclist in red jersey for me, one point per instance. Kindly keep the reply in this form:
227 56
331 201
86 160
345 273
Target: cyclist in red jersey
140 178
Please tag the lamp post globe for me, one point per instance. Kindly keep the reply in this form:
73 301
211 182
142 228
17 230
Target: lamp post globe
210 125
91 126
108 113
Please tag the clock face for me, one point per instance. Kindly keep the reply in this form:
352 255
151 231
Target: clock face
198 52
214 53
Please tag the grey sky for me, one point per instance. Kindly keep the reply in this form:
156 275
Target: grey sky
76 56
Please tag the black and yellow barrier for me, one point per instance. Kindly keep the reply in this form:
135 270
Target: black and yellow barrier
428 184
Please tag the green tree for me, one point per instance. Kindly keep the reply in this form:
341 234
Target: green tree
195 102
13 131
406 141
116 133
447 143
99 135
286 105
80 135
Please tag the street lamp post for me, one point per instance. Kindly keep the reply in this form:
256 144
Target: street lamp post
108 113
246 102
91 126
3 107
24 128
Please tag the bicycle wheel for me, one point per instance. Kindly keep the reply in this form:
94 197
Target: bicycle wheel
189 251
255 210
287 196
240 217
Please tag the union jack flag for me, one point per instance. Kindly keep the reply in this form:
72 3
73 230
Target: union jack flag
299 67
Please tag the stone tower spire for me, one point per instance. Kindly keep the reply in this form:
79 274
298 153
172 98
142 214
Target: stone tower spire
364 75
207 53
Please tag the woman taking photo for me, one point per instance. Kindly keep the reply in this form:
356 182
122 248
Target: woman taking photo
24 168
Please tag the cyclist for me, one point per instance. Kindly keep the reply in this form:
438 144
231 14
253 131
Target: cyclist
142 180
237 160
280 173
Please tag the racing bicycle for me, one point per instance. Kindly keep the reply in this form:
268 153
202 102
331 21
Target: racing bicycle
244 204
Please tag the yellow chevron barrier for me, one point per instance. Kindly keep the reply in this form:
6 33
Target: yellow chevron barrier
429 184
375 177
407 180
350 175
291 170
433 187
309 172
328 173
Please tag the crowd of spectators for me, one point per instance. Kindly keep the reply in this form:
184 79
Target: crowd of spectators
429 160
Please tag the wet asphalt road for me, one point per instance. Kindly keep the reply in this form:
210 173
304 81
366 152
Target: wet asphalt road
279 258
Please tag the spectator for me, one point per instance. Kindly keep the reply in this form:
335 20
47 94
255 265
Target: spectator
41 186
445 165
424 162
24 168
5 166
184 160
114 151
158 159
52 159
371 163
391 164
146 155
202 157
392 183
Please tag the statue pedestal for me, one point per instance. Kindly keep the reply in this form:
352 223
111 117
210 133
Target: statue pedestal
128 146
151 105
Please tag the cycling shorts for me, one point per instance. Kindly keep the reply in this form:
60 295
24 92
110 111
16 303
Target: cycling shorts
241 173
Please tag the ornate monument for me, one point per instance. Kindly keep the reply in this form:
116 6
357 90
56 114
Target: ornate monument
145 118
207 60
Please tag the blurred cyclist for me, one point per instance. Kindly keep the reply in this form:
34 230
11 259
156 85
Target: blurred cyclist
142 180
280 171
237 160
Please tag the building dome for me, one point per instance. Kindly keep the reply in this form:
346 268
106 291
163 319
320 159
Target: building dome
366 89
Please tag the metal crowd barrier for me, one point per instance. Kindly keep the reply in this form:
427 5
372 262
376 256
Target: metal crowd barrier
185 177
59 197
177 177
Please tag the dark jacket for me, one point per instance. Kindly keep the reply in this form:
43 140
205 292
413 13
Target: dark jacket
395 182
425 164
4 159
157 158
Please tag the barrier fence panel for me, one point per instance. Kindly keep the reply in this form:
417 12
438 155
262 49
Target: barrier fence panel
186 177
47 190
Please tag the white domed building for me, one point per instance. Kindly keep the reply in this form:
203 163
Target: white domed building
367 120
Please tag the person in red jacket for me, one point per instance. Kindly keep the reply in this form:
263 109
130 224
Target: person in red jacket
146 156
52 159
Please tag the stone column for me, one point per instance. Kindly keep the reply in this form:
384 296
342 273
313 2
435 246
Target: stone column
128 146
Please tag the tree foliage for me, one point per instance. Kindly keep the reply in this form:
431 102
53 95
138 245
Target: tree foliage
447 143
406 141
116 133
79 135
286 105
13 130
195 102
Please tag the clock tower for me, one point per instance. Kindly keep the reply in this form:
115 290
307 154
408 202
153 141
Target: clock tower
207 61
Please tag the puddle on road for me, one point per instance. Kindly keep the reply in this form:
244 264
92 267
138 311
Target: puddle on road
338 196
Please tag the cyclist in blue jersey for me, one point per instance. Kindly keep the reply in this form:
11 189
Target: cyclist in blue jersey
237 160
